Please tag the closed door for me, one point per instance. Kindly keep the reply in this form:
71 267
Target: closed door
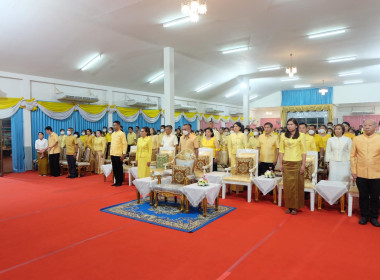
6 147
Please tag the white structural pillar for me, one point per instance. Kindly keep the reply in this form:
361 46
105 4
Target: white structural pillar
246 105
168 100
27 126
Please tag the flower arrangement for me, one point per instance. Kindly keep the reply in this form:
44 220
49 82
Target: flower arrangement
203 182
269 174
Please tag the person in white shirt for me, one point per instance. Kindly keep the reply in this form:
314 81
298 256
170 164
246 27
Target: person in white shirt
169 139
338 155
41 146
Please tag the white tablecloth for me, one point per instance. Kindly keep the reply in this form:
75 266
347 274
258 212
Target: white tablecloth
331 191
340 171
215 177
107 169
195 194
145 185
266 185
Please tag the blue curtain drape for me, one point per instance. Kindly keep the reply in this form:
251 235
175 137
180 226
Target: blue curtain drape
76 121
183 121
140 122
310 96
17 135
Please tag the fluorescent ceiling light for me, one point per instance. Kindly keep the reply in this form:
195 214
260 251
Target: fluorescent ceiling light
341 59
352 82
91 62
176 21
302 86
349 74
232 94
243 85
241 49
269 68
327 33
290 79
203 87
253 97
155 79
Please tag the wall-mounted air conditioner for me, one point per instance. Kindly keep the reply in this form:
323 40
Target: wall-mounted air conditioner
363 110
78 99
213 111
140 104
184 108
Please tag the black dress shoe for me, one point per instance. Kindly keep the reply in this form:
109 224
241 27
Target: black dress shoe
363 221
375 222
68 177
116 185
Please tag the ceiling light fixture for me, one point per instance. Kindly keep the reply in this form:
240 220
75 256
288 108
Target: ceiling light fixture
243 85
176 21
302 86
240 49
158 77
269 68
353 82
349 74
193 9
232 94
290 79
341 59
323 90
253 97
327 33
292 69
202 88
91 62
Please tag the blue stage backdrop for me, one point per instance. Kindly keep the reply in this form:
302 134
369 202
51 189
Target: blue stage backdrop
76 121
17 135
183 121
310 96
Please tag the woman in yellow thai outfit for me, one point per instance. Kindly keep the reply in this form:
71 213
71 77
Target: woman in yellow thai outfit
155 144
90 144
209 141
253 142
144 153
100 147
236 140
80 145
41 146
347 127
223 153
292 164
325 136
84 137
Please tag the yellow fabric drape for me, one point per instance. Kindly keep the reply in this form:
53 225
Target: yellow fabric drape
190 114
128 112
93 109
306 108
58 107
6 103
152 113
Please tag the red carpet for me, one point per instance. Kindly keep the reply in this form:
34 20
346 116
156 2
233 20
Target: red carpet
51 228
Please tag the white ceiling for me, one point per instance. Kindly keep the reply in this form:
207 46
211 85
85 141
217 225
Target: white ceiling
55 38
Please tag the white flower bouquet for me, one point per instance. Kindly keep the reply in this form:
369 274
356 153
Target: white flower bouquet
203 182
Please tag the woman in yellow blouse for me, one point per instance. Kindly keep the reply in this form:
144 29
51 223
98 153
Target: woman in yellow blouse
84 137
347 129
236 140
100 146
90 144
209 141
155 144
292 164
144 153
253 142
223 154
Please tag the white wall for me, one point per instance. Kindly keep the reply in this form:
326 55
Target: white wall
271 100
360 93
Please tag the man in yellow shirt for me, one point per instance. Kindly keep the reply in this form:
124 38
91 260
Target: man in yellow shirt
118 151
269 144
365 170
71 144
188 140
310 143
54 151
318 140
131 138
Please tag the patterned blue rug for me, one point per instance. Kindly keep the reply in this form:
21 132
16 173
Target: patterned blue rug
167 214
